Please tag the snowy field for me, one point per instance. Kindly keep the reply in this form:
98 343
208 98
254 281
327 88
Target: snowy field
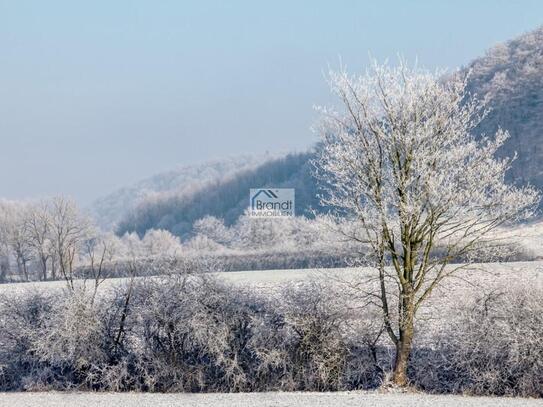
343 399
473 279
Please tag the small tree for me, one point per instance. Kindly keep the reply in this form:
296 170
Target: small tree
37 226
402 159
21 243
69 229
158 242
97 251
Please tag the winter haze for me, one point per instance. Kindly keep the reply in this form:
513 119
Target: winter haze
101 95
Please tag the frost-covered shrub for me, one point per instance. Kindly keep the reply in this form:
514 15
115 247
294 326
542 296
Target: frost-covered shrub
188 333
318 350
71 339
191 332
194 333
310 344
20 318
493 346
58 341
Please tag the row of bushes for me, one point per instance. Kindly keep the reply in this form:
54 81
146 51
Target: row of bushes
213 262
192 333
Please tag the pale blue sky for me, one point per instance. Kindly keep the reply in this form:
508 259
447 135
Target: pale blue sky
98 94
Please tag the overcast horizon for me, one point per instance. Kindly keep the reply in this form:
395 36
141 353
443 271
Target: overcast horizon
99 95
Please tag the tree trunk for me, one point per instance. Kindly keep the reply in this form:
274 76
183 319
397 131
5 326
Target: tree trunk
25 269
53 269
4 268
44 267
405 342
403 351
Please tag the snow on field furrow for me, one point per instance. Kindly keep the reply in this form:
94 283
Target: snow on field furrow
345 399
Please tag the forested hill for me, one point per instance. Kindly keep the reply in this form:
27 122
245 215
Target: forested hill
509 74
225 198
185 180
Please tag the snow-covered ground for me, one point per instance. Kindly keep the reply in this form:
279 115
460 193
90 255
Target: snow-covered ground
344 399
484 274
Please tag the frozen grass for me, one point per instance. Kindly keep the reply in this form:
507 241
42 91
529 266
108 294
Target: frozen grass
345 399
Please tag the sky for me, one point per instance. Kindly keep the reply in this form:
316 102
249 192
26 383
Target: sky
95 95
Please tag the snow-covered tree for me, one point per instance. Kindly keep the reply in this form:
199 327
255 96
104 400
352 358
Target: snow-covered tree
401 158
69 231
20 242
214 229
37 224
160 243
6 222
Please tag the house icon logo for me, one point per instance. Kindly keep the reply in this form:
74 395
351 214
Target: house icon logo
274 202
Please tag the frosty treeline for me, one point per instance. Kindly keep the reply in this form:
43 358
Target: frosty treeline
45 239
28 251
53 239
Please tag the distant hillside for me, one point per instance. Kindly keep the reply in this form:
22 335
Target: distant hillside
183 181
225 198
510 75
